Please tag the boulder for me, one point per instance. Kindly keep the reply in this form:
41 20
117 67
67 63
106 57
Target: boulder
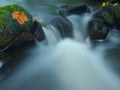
16 26
102 20
106 15
63 25
110 13
117 25
71 9
97 29
37 31
14 20
113 1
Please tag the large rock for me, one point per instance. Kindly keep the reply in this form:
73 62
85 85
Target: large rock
97 29
112 1
16 26
63 25
110 13
37 31
14 20
105 18
70 9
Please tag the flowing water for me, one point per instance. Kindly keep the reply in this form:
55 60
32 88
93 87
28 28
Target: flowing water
69 64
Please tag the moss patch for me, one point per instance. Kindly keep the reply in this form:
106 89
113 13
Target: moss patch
6 12
9 27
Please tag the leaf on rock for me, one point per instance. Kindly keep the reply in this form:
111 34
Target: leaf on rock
103 4
20 17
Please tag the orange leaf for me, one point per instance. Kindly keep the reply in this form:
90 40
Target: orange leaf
20 17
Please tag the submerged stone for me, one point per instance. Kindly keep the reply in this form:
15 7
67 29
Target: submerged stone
97 29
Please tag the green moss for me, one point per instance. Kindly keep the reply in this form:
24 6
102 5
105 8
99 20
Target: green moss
6 11
116 10
9 27
109 18
12 7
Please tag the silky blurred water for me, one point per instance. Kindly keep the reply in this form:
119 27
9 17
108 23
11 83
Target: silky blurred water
69 64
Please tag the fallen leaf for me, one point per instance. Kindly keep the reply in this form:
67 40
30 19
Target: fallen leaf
20 17
103 4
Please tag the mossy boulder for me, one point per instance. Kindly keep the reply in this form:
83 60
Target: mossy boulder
16 26
103 20
110 14
10 28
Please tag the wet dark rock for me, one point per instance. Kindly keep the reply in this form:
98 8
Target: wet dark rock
117 25
97 29
105 18
110 14
113 1
63 25
37 31
70 9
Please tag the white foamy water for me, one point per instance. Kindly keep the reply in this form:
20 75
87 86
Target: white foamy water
82 69
52 34
80 25
69 65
